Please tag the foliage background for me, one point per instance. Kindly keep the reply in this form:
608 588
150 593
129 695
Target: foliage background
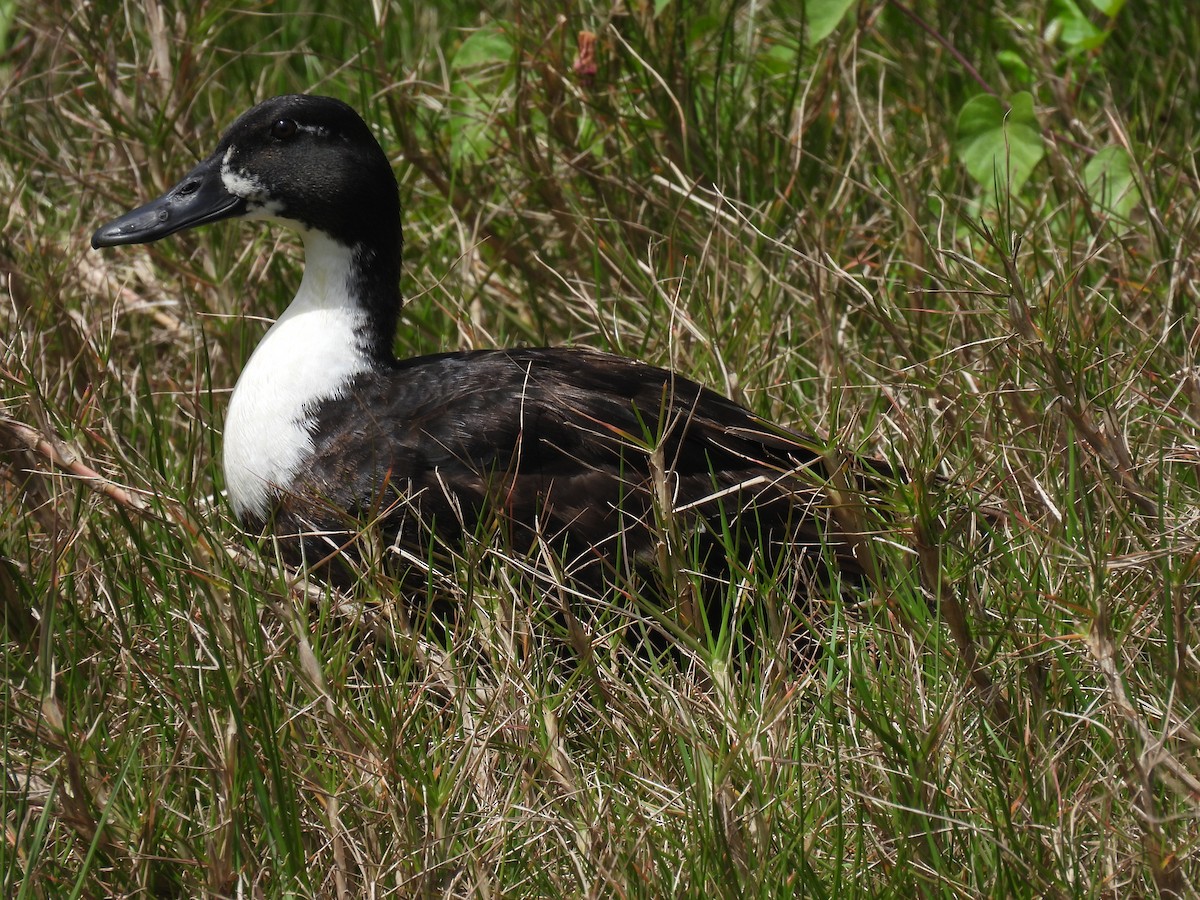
958 235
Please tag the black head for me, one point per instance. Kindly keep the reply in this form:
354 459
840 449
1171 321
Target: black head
307 160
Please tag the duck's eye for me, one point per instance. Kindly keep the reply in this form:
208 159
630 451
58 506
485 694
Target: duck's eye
283 129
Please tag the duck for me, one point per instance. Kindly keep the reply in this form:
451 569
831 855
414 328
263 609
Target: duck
603 459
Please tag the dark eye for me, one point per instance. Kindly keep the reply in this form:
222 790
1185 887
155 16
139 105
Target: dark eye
284 129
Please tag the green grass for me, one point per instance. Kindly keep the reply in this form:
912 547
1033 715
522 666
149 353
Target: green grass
1010 710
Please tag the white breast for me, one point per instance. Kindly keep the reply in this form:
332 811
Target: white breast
308 355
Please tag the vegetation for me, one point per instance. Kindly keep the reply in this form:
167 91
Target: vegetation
962 236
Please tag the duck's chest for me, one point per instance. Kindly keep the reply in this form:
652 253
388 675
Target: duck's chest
310 355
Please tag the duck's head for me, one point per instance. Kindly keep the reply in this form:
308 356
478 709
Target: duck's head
308 161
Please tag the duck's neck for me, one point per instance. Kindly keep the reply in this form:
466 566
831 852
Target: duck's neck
339 326
373 284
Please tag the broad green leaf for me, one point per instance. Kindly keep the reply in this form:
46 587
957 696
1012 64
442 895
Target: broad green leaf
823 16
483 47
779 58
470 139
1071 26
1015 66
998 147
1111 8
1110 183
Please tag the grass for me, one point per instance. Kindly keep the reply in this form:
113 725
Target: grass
1005 713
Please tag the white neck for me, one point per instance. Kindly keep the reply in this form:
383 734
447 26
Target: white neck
310 354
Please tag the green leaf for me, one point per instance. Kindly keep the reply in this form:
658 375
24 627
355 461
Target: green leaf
1110 8
1109 179
823 16
1071 26
8 13
779 58
999 148
470 139
1014 66
486 46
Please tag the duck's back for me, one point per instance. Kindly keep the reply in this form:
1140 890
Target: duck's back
596 457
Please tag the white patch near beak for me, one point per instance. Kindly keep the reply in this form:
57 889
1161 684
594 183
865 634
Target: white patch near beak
241 183
250 188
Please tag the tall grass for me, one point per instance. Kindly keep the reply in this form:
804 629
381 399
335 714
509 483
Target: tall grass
793 221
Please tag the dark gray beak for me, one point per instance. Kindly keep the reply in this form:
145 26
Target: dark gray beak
198 199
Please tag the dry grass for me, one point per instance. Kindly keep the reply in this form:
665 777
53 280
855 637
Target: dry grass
1005 714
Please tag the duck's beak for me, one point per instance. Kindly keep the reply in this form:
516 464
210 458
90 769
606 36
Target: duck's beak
199 198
